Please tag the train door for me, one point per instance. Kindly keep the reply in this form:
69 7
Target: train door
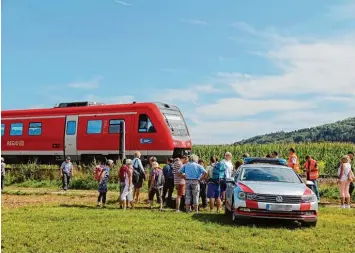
145 133
70 139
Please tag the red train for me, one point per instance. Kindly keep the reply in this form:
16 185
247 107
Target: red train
84 131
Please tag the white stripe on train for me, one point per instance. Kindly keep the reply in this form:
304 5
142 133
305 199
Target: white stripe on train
83 152
63 116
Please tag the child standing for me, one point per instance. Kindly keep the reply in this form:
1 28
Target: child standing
105 175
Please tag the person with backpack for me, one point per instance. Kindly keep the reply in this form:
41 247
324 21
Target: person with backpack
127 193
193 173
215 175
104 177
311 170
149 169
138 175
169 180
228 169
156 186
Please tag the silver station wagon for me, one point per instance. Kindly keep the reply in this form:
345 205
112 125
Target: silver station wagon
267 188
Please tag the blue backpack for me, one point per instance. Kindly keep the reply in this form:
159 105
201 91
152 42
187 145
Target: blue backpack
219 172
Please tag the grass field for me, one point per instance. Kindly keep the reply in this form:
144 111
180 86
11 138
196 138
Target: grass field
46 220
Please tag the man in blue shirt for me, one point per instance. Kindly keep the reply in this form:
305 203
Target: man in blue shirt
66 171
192 172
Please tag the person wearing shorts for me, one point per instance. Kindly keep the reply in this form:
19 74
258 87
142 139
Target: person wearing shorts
179 181
127 194
193 173
343 175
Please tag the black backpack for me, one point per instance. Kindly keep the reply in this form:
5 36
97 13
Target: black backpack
136 173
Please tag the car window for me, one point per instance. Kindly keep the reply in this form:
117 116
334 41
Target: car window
269 174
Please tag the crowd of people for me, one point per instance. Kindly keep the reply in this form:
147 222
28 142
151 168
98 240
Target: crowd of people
193 179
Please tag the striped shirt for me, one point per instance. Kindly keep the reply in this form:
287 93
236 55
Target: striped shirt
176 167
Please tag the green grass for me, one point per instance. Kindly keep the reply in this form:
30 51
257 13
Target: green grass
72 226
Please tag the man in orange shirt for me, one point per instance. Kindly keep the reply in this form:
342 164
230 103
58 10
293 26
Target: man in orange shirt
311 170
293 161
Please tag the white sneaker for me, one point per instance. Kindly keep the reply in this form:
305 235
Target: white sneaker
342 206
347 206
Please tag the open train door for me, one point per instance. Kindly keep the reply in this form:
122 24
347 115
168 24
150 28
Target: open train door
70 137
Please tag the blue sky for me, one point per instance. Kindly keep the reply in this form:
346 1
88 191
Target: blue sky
235 68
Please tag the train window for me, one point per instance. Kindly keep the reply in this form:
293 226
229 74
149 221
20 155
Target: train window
94 126
71 127
16 129
35 129
145 125
2 129
115 126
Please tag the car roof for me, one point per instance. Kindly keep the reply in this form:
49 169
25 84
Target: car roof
267 165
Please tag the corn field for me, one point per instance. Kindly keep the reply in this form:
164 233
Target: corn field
327 154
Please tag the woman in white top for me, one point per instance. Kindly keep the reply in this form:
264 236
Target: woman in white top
343 176
127 194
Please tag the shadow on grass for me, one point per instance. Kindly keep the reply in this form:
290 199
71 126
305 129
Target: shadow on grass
108 206
224 220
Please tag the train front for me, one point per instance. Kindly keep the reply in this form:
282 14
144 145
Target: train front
178 128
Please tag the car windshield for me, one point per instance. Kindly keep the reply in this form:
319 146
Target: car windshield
269 174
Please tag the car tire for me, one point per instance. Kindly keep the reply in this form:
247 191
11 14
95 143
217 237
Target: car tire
310 224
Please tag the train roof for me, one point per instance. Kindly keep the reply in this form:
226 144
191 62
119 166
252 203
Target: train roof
87 107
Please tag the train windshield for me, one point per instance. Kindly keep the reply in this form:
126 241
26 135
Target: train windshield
176 124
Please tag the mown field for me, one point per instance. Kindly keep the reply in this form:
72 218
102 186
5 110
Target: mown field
46 220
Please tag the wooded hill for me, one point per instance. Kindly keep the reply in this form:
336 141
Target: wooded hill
340 131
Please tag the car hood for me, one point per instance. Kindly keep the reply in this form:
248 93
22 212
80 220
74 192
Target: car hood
276 188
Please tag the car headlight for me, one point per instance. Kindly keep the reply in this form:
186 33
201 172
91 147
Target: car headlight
309 198
241 195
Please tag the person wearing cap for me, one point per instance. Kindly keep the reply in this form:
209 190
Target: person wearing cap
3 166
193 173
156 186
105 175
127 193
66 171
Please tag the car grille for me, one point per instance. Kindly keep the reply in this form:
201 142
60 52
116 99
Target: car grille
273 199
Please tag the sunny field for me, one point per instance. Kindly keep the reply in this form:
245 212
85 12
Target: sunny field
47 220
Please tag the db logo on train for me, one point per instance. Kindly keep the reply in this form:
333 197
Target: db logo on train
15 143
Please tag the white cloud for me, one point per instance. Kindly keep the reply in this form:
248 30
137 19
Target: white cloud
194 21
90 84
237 107
315 85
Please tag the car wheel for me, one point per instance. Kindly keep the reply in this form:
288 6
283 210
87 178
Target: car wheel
310 224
